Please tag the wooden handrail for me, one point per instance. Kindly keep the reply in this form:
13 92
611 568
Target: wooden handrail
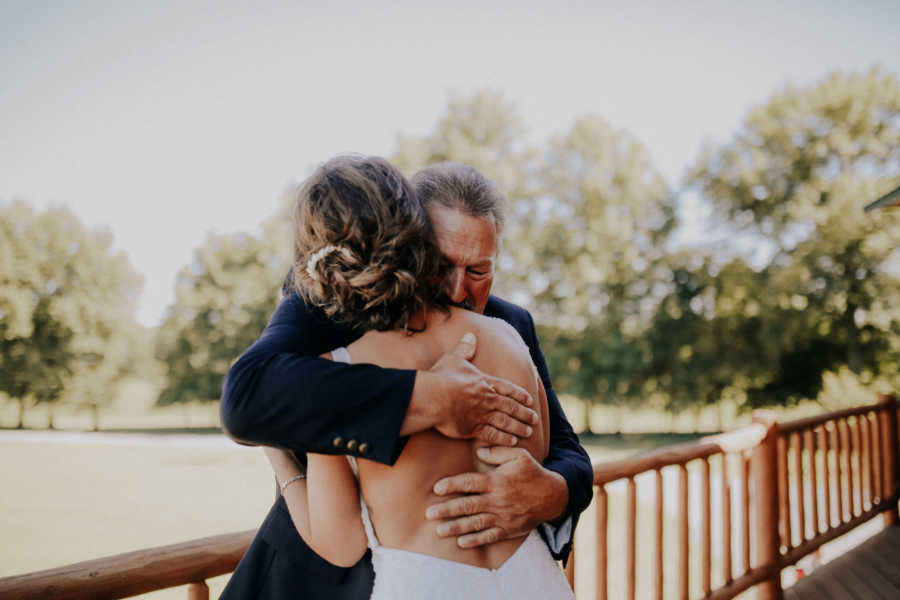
133 573
732 441
816 420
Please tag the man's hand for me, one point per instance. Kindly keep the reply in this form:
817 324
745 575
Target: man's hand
460 401
505 502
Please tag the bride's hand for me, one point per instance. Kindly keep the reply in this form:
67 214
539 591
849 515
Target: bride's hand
460 401
507 502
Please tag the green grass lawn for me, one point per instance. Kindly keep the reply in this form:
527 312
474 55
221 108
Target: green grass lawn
63 503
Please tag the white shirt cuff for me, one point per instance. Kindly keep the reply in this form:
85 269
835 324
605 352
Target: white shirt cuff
558 536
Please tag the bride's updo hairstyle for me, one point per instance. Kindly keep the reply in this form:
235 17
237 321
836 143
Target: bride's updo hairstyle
363 246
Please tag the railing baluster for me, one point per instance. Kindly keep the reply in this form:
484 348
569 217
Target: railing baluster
766 507
855 467
866 476
705 544
745 513
684 544
726 521
798 483
602 591
198 591
826 473
875 445
838 480
630 527
810 443
784 501
659 535
846 470
889 416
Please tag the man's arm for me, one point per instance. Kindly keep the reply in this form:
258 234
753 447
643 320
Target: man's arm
280 393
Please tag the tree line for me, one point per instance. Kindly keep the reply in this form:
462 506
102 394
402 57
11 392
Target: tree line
794 282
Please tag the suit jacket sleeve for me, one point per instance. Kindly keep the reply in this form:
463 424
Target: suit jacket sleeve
280 393
567 457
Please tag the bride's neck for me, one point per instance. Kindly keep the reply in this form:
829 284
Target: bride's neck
423 319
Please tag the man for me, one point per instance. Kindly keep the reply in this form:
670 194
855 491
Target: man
280 394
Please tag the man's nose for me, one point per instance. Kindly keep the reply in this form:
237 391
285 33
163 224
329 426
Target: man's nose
456 291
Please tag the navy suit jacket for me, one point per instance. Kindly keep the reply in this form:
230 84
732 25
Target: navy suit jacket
280 393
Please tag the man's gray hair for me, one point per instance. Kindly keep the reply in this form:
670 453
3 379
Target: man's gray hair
463 188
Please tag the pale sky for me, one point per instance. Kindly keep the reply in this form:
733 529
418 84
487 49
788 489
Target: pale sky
167 120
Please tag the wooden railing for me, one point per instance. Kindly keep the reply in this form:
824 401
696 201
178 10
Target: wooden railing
834 473
799 485
124 575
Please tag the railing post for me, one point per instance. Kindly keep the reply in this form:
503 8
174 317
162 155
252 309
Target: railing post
890 453
764 471
198 591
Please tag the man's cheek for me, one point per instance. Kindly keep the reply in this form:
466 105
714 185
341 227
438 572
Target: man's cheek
480 292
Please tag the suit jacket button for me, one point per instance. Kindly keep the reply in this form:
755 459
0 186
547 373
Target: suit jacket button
351 445
338 442
363 448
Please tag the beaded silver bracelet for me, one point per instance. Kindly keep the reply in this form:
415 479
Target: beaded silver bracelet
292 480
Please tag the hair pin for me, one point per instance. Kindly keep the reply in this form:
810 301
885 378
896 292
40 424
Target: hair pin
321 253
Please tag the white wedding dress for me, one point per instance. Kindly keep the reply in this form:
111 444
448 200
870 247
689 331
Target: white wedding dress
530 572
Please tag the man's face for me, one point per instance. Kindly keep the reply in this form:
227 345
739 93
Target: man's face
469 244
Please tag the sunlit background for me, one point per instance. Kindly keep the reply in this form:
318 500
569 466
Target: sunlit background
686 184
166 120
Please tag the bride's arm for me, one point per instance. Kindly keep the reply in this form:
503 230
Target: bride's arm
324 507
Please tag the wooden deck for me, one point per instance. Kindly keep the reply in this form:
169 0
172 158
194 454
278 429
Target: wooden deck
871 571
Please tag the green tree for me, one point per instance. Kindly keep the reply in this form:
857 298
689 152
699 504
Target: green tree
795 177
703 340
592 235
587 258
483 130
222 303
67 303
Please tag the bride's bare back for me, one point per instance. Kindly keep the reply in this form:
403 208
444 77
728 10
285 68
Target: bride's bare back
398 495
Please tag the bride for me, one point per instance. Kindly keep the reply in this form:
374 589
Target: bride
366 257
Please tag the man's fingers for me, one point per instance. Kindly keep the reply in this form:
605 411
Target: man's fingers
457 507
515 410
466 525
497 455
507 424
493 436
466 483
482 538
465 349
510 390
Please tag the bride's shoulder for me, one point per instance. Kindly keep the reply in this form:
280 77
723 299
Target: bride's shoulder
497 330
